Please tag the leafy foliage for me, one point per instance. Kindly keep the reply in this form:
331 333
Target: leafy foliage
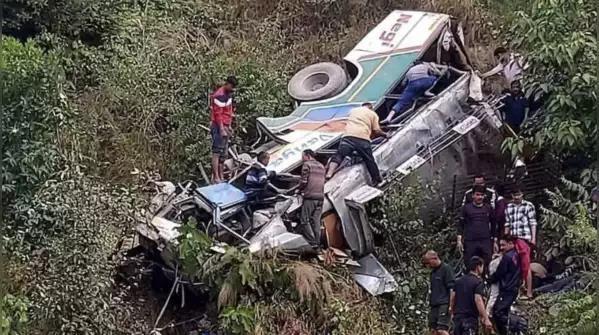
559 38
569 224
194 248
407 237
569 221
570 313
514 146
68 278
35 109
109 87
79 20
238 320
270 294
13 315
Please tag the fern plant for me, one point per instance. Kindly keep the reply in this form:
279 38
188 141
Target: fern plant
569 221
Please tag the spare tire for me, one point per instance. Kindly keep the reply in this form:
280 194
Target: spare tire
317 81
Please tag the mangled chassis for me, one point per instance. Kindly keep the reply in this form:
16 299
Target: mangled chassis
224 210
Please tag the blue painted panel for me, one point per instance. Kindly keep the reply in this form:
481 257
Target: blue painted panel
222 195
329 113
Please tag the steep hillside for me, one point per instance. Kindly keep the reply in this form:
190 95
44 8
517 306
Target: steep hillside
97 96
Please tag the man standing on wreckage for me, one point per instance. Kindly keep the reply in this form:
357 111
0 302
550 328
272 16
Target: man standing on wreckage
311 188
221 118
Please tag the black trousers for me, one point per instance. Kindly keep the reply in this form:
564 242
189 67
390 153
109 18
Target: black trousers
480 248
363 147
465 325
501 310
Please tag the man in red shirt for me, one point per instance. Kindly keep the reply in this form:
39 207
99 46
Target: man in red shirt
221 117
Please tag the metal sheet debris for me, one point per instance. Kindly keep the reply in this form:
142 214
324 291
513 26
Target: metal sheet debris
364 194
167 230
275 235
373 277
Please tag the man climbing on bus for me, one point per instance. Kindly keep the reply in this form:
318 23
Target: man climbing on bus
362 124
419 79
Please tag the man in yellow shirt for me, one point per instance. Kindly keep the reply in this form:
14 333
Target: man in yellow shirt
362 124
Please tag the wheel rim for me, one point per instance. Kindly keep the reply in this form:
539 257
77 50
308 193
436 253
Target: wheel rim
316 81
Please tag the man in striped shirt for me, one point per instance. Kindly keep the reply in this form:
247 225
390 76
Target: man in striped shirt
521 222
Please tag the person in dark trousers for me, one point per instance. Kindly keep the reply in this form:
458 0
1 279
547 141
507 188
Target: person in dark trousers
509 278
467 303
490 195
419 78
362 124
515 107
257 178
442 282
500 206
311 187
476 228
221 118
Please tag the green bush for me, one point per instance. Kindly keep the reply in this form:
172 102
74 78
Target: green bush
568 313
35 111
569 221
559 39
87 20
73 225
158 80
272 294
398 218
238 320
13 315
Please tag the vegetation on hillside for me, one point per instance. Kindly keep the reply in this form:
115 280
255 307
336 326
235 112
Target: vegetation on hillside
94 90
560 42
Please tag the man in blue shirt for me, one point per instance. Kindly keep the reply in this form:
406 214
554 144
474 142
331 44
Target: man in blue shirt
509 278
515 106
257 178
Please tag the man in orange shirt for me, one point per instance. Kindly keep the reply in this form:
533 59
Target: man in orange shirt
362 124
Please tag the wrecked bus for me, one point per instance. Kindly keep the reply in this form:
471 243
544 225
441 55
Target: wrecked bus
436 132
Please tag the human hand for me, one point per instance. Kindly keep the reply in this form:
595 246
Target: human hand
460 246
487 324
223 132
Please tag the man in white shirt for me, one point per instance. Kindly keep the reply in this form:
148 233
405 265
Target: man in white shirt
510 65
